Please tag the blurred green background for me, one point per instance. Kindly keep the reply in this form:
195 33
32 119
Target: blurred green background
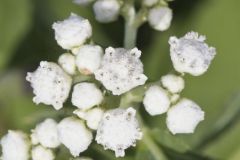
26 38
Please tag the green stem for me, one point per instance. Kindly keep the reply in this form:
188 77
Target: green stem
130 36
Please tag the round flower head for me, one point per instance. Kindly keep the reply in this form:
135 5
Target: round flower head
156 100
184 117
118 130
106 10
160 18
50 84
121 70
149 3
15 146
86 95
173 83
46 134
41 153
89 58
74 135
190 54
72 32
82 2
67 62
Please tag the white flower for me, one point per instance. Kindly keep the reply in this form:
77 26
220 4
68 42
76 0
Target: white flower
156 100
160 18
50 84
41 153
190 54
106 10
67 62
149 3
173 83
86 95
184 117
121 70
93 117
72 32
74 135
15 146
89 58
118 130
46 134
82 2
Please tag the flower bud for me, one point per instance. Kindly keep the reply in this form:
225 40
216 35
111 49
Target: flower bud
173 83
41 153
67 62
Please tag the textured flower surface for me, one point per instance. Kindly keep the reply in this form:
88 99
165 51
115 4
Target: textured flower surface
118 130
72 32
15 146
41 153
121 70
173 83
190 54
184 117
51 85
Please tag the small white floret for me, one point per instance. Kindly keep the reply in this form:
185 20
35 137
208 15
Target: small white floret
160 18
149 3
184 117
121 70
118 130
156 100
41 153
51 85
106 10
15 146
82 2
46 134
67 62
86 95
173 83
89 58
74 135
190 54
72 32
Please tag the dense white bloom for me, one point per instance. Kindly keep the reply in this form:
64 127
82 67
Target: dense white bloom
82 2
118 130
41 153
89 58
173 83
50 84
190 54
184 117
121 70
93 117
74 135
46 134
160 18
72 32
156 100
86 95
67 62
149 3
15 146
106 10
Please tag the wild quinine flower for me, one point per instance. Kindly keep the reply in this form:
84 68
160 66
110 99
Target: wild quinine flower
173 83
46 134
51 85
106 10
184 117
121 70
156 100
89 58
118 130
41 153
86 95
149 3
190 54
72 32
15 146
160 18
74 135
92 117
82 2
67 62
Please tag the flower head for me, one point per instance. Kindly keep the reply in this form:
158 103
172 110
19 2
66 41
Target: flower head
51 85
190 54
118 130
41 153
121 70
